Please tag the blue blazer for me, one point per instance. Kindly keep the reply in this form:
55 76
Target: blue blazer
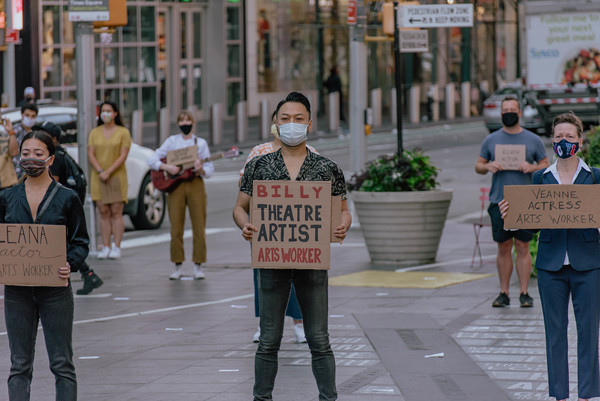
583 244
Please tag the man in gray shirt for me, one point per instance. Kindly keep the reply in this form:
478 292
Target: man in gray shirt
535 159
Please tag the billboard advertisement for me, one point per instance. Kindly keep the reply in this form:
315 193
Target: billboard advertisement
563 48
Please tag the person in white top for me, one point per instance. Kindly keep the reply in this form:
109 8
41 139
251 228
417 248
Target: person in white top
190 193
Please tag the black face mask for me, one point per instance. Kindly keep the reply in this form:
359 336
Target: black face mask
186 128
510 119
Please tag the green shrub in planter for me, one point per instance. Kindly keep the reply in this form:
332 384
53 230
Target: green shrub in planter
391 173
590 151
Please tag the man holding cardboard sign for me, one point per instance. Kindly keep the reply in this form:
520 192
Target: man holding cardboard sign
511 154
568 260
289 230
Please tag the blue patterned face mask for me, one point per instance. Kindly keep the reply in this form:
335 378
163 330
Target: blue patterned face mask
565 149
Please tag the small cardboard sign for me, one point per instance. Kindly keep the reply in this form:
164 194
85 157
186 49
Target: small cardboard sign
30 254
510 157
552 206
293 219
110 191
336 216
184 157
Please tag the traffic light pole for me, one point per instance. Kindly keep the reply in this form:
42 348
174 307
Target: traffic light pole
398 68
86 112
358 90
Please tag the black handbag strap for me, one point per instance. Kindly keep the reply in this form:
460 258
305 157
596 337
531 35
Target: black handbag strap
47 203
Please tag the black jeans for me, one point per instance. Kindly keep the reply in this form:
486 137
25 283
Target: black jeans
274 287
24 307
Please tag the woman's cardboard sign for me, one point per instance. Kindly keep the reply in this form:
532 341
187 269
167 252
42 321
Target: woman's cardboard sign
110 191
184 157
510 157
293 219
30 254
552 206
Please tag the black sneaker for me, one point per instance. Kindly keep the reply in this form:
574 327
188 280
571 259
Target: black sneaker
502 301
526 300
91 281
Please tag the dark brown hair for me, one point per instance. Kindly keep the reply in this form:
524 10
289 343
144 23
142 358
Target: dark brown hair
509 99
568 118
40 136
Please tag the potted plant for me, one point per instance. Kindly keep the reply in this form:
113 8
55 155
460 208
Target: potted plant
400 207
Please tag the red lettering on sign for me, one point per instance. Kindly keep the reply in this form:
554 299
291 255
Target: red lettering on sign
287 194
275 191
261 191
317 190
302 194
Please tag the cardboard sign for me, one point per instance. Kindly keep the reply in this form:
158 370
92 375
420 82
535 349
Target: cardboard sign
293 219
184 157
110 191
30 254
336 216
552 206
510 157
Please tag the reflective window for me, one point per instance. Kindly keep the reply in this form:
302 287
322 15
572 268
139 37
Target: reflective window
233 23
148 24
149 104
233 96
130 64
50 25
51 67
130 30
197 34
148 64
233 61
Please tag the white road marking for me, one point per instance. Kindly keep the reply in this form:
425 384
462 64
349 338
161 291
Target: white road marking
166 237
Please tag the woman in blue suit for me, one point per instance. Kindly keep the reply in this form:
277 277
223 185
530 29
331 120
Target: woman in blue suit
568 264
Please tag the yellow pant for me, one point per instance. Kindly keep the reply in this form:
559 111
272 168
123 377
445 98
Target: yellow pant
190 194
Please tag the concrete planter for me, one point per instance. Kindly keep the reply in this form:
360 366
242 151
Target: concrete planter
402 227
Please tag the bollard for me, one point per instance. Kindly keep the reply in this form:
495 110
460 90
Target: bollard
163 125
393 113
265 120
465 99
216 124
415 104
376 106
241 122
450 106
137 122
435 91
333 102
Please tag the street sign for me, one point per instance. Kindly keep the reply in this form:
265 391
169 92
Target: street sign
88 10
351 12
414 41
435 15
12 36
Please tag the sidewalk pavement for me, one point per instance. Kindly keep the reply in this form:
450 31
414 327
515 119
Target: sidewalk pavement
143 337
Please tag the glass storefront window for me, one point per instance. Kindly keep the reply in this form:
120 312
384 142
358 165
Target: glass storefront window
148 64
183 30
130 64
67 28
197 27
69 67
130 30
50 25
183 79
149 104
51 71
110 64
108 94
197 82
233 61
233 96
130 101
148 24
233 23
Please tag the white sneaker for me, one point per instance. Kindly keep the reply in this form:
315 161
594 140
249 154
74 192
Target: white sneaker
115 253
299 333
103 254
199 273
256 337
176 275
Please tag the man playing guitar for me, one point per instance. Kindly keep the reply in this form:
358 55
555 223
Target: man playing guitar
190 193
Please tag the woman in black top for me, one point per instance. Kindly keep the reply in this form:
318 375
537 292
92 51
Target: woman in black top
24 307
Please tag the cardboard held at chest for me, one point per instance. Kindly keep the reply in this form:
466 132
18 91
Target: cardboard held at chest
110 191
552 206
183 157
509 157
293 219
30 254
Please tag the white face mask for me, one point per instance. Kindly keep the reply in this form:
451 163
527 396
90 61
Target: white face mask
28 122
293 134
106 116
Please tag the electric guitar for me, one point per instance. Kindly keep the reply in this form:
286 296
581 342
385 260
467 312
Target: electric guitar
166 182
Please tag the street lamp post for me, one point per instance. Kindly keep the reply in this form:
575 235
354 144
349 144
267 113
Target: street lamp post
398 76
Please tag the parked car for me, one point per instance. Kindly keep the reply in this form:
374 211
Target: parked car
530 118
146 205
